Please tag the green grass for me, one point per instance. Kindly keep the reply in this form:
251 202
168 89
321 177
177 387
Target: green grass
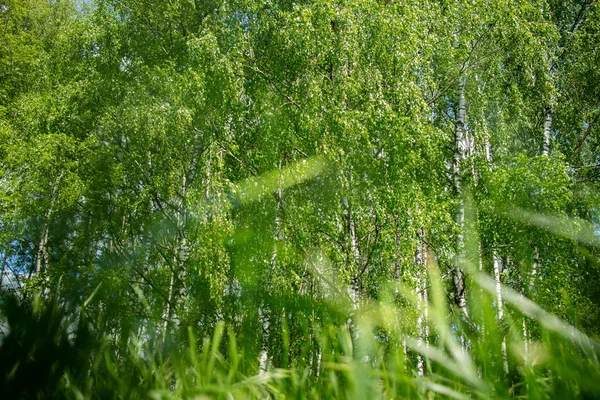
375 359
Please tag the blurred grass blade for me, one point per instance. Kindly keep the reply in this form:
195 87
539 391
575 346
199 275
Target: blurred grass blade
87 301
535 312
577 230
256 188
216 342
441 389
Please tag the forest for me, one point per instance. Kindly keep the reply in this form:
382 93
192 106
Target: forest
320 199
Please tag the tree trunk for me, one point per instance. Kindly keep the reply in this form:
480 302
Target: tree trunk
534 270
425 300
481 256
42 253
419 293
4 257
397 263
531 292
354 289
500 307
423 296
42 258
168 310
458 277
182 251
265 320
547 134
488 149
178 279
264 313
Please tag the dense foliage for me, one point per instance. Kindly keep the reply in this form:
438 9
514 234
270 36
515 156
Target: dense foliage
359 199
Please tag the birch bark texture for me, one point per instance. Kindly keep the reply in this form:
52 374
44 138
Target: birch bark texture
458 275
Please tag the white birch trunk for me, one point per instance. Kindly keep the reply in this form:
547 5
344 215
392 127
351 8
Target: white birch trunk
547 134
420 370
178 279
499 303
396 259
423 305
356 259
500 307
263 359
534 270
42 253
355 295
208 173
532 285
264 314
354 288
426 313
181 251
481 289
42 258
4 257
459 155
168 310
